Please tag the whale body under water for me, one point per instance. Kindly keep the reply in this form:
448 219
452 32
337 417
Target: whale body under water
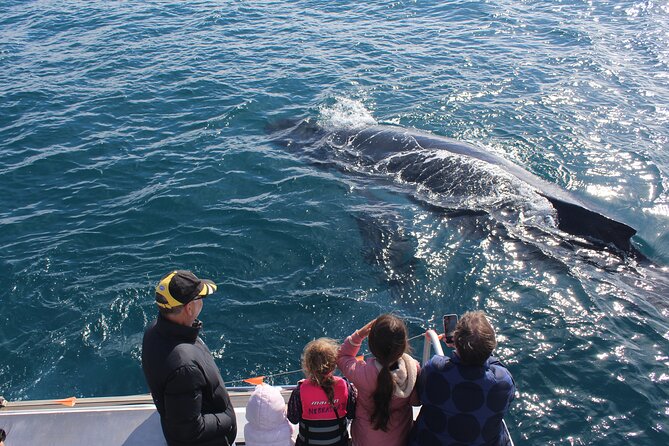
460 175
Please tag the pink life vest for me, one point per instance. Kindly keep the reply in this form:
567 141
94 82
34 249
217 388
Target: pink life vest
315 404
320 424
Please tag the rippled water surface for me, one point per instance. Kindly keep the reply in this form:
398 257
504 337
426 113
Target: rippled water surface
136 137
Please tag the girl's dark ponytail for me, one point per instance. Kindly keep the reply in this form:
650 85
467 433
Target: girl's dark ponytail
387 342
382 396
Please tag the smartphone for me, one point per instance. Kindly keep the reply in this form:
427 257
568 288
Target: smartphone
450 321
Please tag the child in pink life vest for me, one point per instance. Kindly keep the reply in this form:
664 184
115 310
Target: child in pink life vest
322 402
267 424
386 383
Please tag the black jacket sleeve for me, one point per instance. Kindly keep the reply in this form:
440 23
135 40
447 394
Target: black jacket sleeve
295 406
183 406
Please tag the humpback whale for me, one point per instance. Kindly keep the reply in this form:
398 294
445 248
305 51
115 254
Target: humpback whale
455 176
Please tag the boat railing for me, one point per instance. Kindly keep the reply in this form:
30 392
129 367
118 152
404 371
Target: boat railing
431 343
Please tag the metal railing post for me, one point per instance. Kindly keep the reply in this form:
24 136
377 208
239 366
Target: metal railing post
431 340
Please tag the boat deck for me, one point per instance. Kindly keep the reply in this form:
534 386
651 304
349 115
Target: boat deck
110 421
113 421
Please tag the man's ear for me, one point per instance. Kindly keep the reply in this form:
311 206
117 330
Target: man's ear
188 308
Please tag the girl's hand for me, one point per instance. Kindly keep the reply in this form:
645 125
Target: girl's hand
364 331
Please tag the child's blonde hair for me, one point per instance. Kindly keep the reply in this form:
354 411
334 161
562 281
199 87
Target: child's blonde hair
319 360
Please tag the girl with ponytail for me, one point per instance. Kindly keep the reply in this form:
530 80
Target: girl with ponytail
385 382
322 402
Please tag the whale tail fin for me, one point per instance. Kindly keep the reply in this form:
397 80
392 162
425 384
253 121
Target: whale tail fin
577 220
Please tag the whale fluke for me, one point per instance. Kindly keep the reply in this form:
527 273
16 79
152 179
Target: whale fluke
579 221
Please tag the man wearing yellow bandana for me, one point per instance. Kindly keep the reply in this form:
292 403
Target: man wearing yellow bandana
184 381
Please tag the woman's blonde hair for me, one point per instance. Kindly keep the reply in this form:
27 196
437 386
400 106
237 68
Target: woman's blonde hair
319 360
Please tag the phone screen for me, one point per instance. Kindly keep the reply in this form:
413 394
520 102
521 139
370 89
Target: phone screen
450 321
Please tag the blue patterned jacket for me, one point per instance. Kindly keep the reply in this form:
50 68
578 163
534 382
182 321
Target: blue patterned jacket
462 404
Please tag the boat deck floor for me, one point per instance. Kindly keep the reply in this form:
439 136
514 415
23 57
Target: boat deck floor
112 421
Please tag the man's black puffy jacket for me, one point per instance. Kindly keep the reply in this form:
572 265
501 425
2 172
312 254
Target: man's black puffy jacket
186 386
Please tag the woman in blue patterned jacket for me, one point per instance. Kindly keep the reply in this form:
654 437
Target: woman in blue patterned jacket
466 396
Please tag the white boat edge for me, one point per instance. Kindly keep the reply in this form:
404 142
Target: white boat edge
105 421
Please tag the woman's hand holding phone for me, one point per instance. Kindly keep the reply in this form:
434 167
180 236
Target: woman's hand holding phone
450 322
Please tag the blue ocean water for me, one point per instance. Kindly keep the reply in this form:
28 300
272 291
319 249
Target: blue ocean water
135 137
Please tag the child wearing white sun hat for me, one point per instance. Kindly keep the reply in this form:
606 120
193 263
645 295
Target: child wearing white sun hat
267 424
